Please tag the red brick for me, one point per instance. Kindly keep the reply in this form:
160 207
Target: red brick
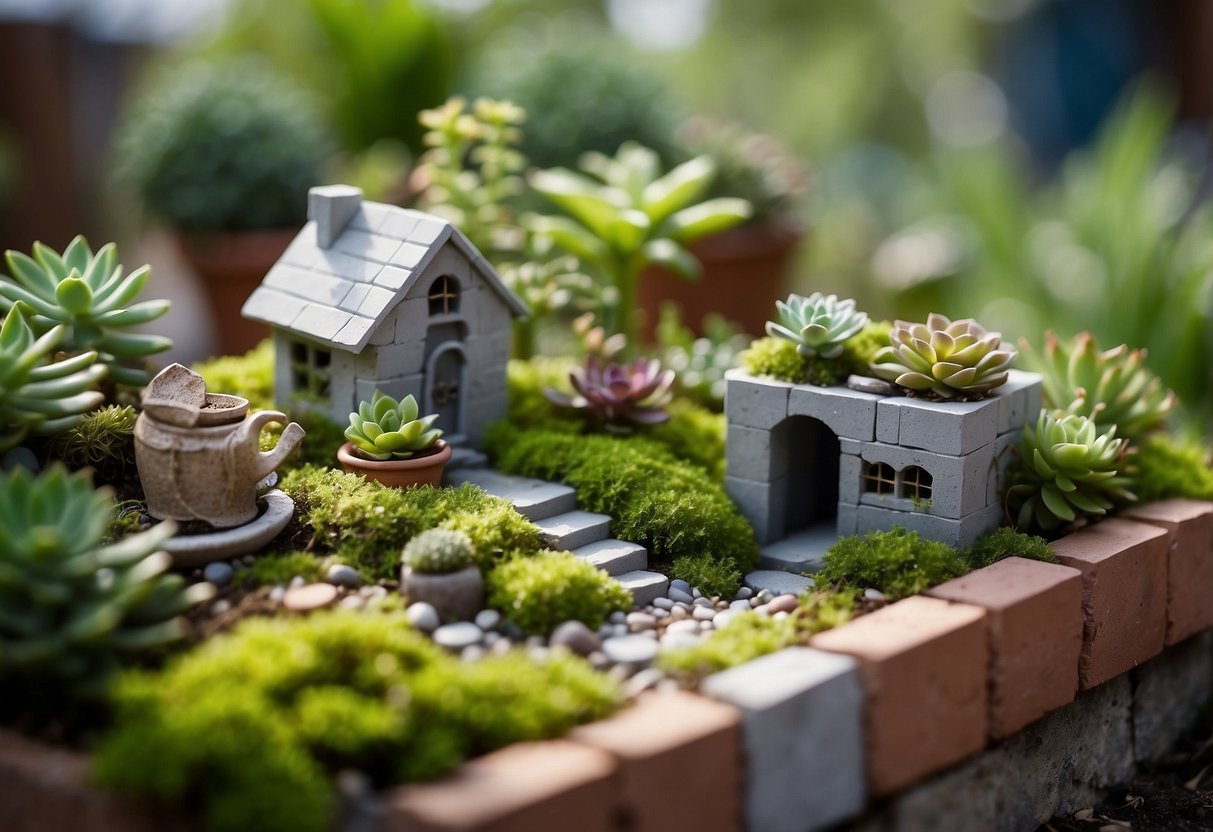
1124 595
924 663
523 788
1035 620
673 749
1190 563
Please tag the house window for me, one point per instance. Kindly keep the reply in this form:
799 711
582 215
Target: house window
915 484
879 479
311 369
444 295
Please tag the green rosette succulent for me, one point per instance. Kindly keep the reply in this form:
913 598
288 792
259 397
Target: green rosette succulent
438 552
38 394
384 428
819 325
944 357
1112 387
92 298
1067 469
71 610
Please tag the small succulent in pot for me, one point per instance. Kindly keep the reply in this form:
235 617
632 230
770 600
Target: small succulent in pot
949 359
818 324
1067 469
618 397
385 429
438 569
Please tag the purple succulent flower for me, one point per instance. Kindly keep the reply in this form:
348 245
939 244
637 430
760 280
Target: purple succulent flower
618 396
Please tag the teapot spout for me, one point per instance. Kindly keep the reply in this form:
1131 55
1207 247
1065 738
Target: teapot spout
266 462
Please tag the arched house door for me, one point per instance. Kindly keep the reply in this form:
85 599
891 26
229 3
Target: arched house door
445 373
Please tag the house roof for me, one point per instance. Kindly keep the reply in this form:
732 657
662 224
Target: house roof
339 293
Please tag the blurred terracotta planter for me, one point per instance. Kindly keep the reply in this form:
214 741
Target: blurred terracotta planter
230 266
424 469
743 275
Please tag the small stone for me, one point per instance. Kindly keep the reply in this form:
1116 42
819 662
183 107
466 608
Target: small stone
501 647
638 621
720 605
703 614
606 631
663 604
677 614
723 618
682 627
491 638
488 619
743 593
423 616
756 602
765 595
537 654
248 560
702 602
598 660
373 591
739 604
472 653
341 575
535 641
679 641
781 616
680 585
678 595
867 384
618 618
644 680
619 630
621 672
457 636
310 597
874 595
660 614
276 594
218 573
352 602
220 607
706 626
20 457
636 650
296 582
576 637
784 603
696 593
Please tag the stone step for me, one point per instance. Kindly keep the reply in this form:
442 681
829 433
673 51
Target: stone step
464 457
780 583
534 499
644 585
574 529
801 551
614 556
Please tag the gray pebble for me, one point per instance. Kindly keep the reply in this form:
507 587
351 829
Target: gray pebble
638 621
784 603
644 680
663 603
423 616
606 631
351 602
618 618
539 655
341 575
757 601
296 582
660 614
636 650
765 595
682 627
488 619
677 614
702 602
680 585
248 560
703 614
218 573
373 591
679 595
457 636
536 641
867 384
743 593
276 594
679 641
723 618
740 604
220 607
622 672
598 660
501 647
619 630
874 595
696 593
472 653
491 638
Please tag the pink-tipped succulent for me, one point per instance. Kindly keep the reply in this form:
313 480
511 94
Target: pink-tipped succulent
619 396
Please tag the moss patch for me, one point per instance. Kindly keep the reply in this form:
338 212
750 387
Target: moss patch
250 375
278 569
544 591
778 358
1007 543
898 563
1167 467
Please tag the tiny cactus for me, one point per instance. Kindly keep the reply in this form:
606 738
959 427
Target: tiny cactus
384 428
438 552
944 357
819 325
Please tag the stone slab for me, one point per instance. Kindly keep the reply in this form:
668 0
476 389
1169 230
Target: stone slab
780 583
755 402
756 454
954 428
763 504
956 533
801 551
644 585
573 529
1018 400
534 499
1189 564
614 557
802 735
848 413
924 665
1169 692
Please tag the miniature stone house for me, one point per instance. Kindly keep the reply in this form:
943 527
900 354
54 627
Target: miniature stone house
808 464
374 296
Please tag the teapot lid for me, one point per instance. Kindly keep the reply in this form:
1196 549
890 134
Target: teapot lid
177 395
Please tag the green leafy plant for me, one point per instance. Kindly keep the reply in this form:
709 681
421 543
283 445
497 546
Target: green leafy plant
89 295
945 358
1166 467
618 397
73 611
1006 542
384 428
624 215
104 441
37 393
818 325
539 593
1066 469
438 552
1112 387
897 562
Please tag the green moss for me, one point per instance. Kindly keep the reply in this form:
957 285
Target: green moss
670 507
861 348
251 727
1006 543
550 588
250 375
367 524
897 563
719 577
104 440
1169 467
525 383
693 434
279 569
775 358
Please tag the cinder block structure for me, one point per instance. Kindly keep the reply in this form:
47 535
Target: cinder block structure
375 296
808 464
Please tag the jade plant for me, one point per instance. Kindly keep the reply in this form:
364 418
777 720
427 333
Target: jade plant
944 358
1067 469
385 428
438 552
618 397
71 610
89 295
818 324
1112 387
37 393
623 215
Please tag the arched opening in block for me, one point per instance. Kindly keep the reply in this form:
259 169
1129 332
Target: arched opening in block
811 492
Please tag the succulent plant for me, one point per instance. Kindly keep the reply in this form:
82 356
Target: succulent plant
1113 387
384 428
37 393
438 552
819 325
619 396
944 357
70 609
89 295
1067 469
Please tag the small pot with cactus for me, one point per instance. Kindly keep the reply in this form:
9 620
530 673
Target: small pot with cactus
390 443
438 569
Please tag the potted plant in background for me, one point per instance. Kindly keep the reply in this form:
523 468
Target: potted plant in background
391 445
438 570
225 155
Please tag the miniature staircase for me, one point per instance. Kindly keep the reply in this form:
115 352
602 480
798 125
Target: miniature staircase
553 508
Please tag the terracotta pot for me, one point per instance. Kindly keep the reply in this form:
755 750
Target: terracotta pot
743 275
230 266
423 469
456 596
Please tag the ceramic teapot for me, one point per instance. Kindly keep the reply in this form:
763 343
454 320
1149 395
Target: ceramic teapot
198 453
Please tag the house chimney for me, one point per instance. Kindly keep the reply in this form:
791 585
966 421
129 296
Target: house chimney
332 207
